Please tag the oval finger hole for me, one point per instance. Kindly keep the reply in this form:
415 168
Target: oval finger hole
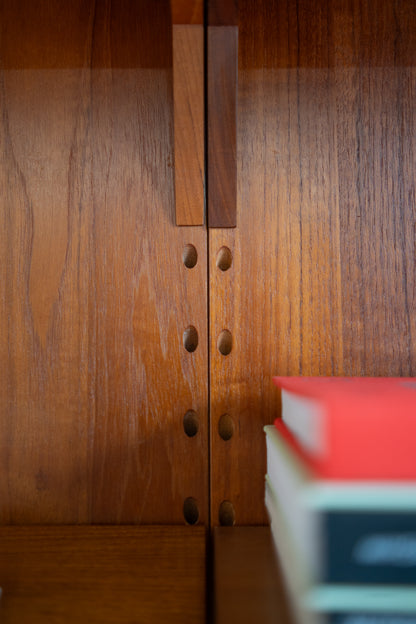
226 514
191 423
190 511
225 342
190 256
226 427
190 338
224 259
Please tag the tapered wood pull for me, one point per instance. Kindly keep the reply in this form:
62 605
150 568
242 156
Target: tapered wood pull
222 50
188 97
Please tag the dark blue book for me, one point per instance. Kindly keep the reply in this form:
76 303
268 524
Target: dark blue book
370 618
369 547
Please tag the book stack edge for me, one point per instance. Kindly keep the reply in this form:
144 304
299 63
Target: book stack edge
345 527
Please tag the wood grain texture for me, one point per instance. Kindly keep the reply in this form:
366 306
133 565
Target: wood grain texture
376 151
189 127
102 574
222 12
187 11
222 58
323 273
50 44
94 295
248 587
45 247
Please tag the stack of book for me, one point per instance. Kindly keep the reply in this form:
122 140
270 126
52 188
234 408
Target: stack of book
341 496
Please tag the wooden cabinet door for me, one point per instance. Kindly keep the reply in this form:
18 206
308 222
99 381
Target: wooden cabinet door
323 275
104 329
94 293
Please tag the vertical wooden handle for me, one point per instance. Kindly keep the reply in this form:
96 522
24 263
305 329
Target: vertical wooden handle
222 113
188 96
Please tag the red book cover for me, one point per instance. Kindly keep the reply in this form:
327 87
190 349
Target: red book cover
350 428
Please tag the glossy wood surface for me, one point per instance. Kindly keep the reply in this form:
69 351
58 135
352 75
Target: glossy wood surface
94 294
102 574
248 587
222 57
323 274
222 12
189 123
187 11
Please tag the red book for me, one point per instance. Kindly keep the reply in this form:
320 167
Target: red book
350 428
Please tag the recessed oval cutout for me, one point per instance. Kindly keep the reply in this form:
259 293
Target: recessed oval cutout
190 338
190 256
226 514
225 342
224 259
226 427
190 511
191 423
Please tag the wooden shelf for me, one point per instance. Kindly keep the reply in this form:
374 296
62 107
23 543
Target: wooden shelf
66 574
247 583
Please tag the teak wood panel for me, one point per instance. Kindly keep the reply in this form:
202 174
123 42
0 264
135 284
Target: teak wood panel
222 12
187 11
91 574
188 98
222 56
323 273
248 583
94 295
